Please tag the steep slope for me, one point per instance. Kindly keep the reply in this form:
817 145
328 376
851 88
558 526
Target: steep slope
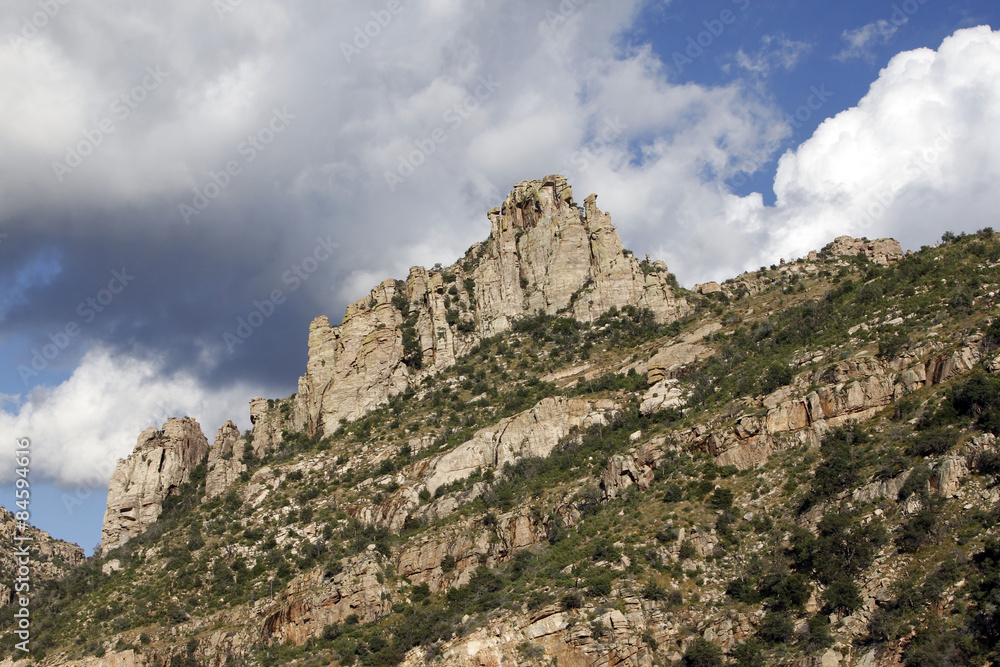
49 558
162 461
803 470
544 254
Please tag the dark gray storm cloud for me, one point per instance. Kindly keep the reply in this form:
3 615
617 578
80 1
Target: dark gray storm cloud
226 152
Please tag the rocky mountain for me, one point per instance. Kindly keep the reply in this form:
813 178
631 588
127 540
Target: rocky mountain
550 453
545 254
161 462
50 558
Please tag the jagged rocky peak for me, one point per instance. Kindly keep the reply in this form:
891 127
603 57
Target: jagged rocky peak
547 253
161 461
544 253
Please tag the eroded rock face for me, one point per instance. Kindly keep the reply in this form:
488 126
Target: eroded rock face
535 432
314 601
856 389
545 253
161 462
532 433
880 251
50 558
225 460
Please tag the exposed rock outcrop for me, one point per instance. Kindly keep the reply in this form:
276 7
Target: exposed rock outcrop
225 460
270 418
315 600
50 558
545 253
161 462
535 432
532 433
880 251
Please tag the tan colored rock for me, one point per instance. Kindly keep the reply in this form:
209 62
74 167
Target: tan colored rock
711 287
270 419
635 467
314 601
544 253
225 460
161 461
663 395
947 475
880 251
50 558
534 432
671 359
887 489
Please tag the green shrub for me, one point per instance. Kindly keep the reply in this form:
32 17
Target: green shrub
721 499
819 633
448 563
599 585
776 628
842 596
748 654
702 653
571 601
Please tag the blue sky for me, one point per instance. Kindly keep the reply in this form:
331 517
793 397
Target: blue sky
165 168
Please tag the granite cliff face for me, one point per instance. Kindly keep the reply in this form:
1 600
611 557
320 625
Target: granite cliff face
161 461
225 460
596 487
545 253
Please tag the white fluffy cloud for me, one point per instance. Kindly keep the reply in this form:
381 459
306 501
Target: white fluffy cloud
79 429
918 154
511 93
860 42
775 52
